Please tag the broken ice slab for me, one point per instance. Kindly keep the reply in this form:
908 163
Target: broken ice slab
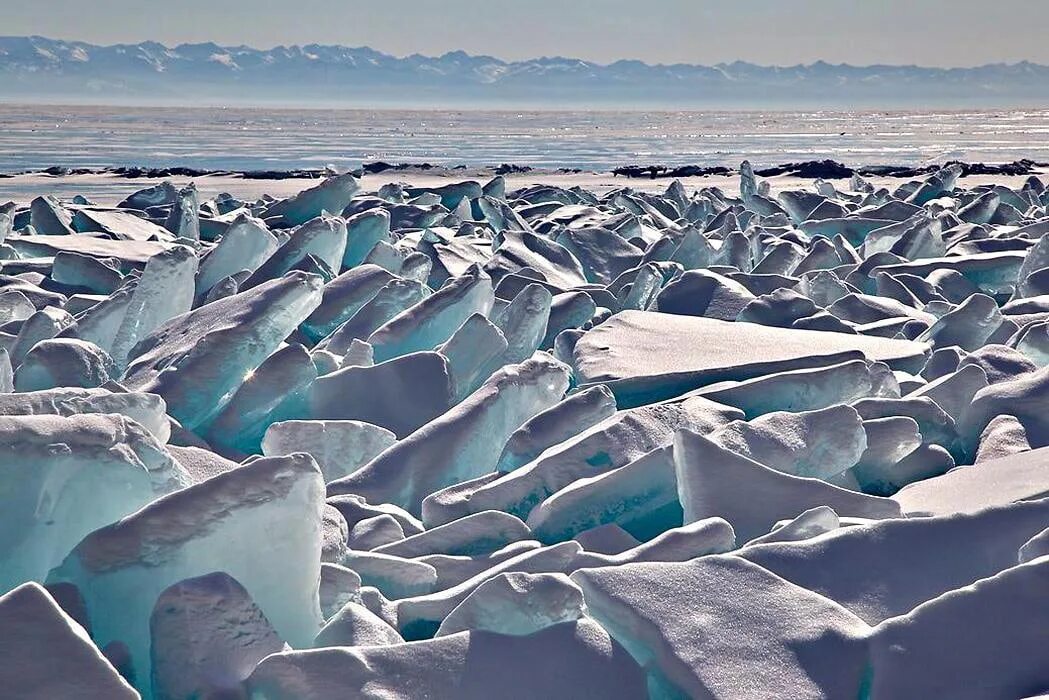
750 634
645 356
63 476
463 443
47 654
148 410
713 481
223 524
579 659
614 442
130 254
997 633
967 489
916 559
197 360
206 636
339 446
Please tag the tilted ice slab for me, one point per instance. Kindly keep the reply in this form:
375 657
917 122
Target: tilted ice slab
206 637
340 447
130 254
579 661
401 395
997 482
434 319
260 523
463 443
721 627
330 196
164 290
713 481
245 245
517 604
644 356
62 477
197 360
996 629
46 654
148 410
614 442
916 559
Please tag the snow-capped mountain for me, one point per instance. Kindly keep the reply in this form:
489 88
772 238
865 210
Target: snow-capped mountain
40 67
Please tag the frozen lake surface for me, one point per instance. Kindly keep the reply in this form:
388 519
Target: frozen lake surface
39 136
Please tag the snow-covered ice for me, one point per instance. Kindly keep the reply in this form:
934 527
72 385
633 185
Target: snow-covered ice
461 440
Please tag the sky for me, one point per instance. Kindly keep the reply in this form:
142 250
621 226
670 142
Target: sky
776 32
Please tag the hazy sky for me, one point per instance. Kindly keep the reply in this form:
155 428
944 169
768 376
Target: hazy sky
927 32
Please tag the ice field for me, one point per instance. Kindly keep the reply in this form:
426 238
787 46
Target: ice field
468 440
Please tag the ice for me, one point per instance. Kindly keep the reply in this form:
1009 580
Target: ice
952 551
434 319
523 323
276 390
371 533
148 410
750 635
206 636
197 360
76 270
43 325
797 390
324 238
63 362
579 656
184 219
889 442
395 297
1026 398
555 425
245 245
473 352
996 482
640 497
517 604
49 217
1002 437
474 535
339 446
655 356
704 293
330 196
997 627
395 577
612 443
840 387
338 586
813 522
447 450
1037 546
46 654
819 443
709 479
355 509
122 568
164 290
356 626
64 476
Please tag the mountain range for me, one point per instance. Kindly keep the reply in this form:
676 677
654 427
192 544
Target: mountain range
37 67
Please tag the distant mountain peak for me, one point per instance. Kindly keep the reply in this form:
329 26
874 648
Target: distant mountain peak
38 66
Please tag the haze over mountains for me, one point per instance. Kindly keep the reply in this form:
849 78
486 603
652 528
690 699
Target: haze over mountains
42 68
